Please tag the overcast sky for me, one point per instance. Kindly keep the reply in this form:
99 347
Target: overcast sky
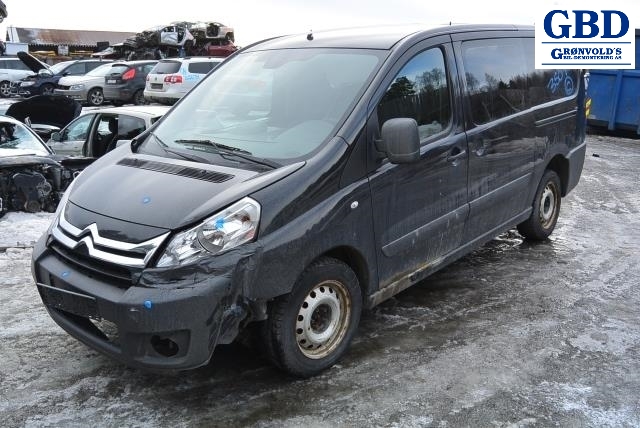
254 20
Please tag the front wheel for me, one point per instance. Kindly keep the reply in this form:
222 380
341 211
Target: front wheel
95 97
309 329
47 89
546 209
5 89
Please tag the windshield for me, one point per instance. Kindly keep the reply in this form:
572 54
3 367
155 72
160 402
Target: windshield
16 139
280 105
101 71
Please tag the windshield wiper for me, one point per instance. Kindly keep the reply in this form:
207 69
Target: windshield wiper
186 156
224 150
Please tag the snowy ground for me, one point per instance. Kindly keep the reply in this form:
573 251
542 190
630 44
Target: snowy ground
19 229
513 335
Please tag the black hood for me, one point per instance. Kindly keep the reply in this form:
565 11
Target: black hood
56 110
32 62
164 193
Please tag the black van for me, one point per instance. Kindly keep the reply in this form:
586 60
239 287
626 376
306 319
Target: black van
307 178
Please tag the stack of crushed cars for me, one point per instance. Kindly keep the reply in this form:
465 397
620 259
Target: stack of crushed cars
180 38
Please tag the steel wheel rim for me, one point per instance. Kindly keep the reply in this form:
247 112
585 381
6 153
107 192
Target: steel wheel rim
47 90
323 319
548 205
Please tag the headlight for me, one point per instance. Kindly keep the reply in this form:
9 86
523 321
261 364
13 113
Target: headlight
28 83
61 205
78 87
221 232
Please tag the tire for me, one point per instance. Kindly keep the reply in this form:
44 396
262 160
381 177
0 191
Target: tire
95 97
546 209
47 89
138 98
309 329
5 89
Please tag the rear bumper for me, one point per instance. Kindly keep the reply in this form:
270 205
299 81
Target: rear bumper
153 328
118 92
576 163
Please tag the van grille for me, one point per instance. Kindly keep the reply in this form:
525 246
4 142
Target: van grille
183 171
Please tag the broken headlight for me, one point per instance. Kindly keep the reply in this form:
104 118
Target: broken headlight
225 230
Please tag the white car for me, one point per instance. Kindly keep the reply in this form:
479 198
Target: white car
12 69
172 78
96 132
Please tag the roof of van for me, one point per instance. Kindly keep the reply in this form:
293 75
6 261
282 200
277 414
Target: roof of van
379 37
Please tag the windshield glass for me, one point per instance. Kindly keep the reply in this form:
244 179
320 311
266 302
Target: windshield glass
280 105
16 139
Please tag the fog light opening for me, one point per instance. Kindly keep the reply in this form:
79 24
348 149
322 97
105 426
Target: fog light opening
164 346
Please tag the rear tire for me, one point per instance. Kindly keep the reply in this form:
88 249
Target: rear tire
138 98
546 209
309 329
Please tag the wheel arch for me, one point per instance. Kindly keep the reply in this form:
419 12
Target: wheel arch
560 165
356 261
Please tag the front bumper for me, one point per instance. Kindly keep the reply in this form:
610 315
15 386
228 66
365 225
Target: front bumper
173 326
79 95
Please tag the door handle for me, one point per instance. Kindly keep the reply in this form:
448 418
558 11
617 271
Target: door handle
456 154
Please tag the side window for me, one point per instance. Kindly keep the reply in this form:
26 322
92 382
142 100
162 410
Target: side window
129 127
79 129
75 69
420 91
548 85
91 65
502 79
496 75
200 67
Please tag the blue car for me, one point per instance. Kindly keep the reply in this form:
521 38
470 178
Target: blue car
46 78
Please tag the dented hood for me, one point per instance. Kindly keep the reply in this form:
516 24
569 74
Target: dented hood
161 192
32 62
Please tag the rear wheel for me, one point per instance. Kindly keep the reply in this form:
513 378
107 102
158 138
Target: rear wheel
95 97
5 89
309 329
138 97
546 209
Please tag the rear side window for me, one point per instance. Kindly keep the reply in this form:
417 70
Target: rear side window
75 69
420 91
166 67
129 126
502 80
201 67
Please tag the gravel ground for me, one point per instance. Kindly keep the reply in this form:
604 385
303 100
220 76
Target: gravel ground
513 335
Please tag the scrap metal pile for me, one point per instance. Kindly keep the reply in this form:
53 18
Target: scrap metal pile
178 39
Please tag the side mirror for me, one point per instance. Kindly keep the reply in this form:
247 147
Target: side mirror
400 140
55 136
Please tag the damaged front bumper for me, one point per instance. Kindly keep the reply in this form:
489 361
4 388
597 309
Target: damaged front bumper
168 320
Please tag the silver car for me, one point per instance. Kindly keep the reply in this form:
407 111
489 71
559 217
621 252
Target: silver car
95 132
87 88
